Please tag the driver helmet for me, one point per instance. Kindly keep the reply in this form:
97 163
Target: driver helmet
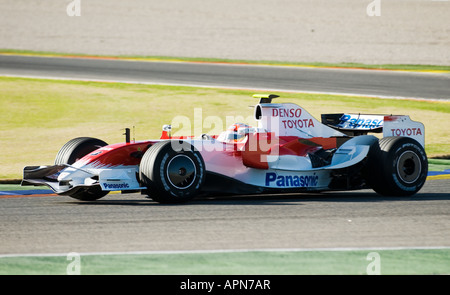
234 133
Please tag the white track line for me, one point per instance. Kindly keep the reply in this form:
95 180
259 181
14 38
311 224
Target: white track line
224 87
220 251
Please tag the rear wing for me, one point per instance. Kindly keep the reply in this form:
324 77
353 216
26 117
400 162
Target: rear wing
389 125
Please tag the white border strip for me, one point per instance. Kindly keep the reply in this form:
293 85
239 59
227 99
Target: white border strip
220 251
225 87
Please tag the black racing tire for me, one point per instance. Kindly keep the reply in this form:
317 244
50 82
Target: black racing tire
89 194
396 166
172 171
74 150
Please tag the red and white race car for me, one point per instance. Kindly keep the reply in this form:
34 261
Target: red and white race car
288 151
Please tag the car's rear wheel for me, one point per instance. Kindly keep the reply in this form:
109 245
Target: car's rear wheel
397 166
173 172
74 150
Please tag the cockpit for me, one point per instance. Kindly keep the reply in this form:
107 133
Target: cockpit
235 133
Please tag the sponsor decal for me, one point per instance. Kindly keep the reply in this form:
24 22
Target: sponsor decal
305 123
116 185
361 121
287 113
272 179
406 131
96 153
295 121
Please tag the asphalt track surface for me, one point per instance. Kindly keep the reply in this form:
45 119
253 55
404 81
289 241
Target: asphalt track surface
132 222
268 78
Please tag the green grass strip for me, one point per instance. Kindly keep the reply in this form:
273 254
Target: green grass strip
392 67
438 164
357 262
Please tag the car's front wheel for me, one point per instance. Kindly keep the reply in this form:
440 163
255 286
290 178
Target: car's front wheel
74 150
173 172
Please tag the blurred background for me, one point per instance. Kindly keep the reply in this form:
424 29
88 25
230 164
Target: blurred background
405 32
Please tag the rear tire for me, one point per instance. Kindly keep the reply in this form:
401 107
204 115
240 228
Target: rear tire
172 173
74 150
397 166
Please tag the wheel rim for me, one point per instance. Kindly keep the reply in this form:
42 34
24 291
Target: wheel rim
409 167
181 171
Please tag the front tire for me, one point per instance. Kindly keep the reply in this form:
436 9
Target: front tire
77 148
74 150
173 172
397 166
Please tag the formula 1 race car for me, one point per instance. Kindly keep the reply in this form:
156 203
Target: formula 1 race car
288 151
